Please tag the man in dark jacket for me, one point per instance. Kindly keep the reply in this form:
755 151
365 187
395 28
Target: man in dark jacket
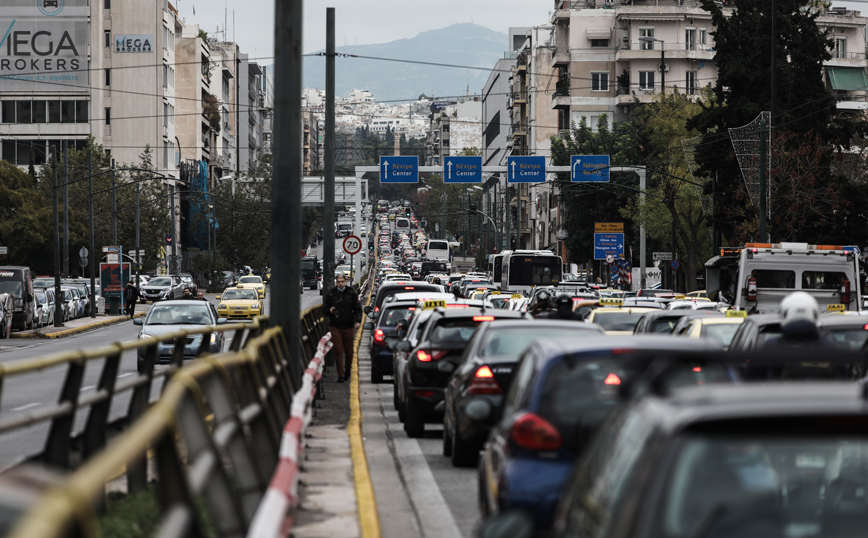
131 297
345 316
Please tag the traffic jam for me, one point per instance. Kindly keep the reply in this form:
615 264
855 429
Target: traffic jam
740 410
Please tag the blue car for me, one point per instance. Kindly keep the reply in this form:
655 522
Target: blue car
393 314
561 390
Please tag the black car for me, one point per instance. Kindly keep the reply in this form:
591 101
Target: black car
393 314
475 392
663 321
391 288
775 460
755 332
437 355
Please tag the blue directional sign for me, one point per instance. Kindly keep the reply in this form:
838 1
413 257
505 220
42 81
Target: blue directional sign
462 169
526 169
589 168
399 169
605 244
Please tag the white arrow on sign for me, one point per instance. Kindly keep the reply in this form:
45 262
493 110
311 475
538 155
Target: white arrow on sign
449 167
513 169
576 166
385 169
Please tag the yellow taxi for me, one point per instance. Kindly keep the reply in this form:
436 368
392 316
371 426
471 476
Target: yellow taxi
616 319
239 303
255 282
718 329
347 271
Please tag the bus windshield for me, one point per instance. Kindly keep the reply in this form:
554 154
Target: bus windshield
308 269
534 270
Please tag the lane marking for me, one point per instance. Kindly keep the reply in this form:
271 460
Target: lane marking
26 406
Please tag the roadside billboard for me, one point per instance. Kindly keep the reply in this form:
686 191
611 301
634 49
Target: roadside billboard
113 277
43 45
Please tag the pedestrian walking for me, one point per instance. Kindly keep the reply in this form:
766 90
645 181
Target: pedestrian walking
345 316
131 297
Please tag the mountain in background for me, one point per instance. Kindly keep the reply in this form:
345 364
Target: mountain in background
466 45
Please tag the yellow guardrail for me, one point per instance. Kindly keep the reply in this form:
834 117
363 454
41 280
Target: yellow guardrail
214 431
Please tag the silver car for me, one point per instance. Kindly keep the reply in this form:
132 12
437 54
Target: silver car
45 306
172 316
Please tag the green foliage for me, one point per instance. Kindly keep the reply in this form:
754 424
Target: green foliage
25 220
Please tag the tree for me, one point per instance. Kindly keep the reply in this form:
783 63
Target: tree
25 220
803 106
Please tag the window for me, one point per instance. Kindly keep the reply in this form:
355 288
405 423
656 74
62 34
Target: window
690 82
108 39
690 39
492 130
81 111
646 80
54 112
840 47
703 36
165 76
599 82
108 77
108 4
39 112
67 111
108 115
8 113
599 43
646 31
23 110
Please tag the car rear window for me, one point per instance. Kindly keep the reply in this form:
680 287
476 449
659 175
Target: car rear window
848 338
453 331
510 343
664 325
397 314
616 321
721 333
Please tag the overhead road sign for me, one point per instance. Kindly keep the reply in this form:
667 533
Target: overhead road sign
609 227
462 169
399 169
608 244
662 256
589 168
526 169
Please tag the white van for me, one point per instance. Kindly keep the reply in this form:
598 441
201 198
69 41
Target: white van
402 225
437 249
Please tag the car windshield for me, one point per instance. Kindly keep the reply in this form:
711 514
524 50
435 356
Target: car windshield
40 297
720 333
179 314
777 485
250 280
616 321
160 282
12 287
509 343
232 295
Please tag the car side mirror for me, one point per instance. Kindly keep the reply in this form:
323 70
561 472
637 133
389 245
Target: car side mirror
28 298
138 321
403 346
222 321
368 309
368 326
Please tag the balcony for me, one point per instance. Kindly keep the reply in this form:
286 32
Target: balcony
852 102
640 50
519 97
847 59
519 129
561 96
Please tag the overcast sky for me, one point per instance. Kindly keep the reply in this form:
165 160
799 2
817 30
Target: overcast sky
359 22
362 22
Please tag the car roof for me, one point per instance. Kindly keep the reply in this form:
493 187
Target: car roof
561 346
510 323
654 314
477 311
831 320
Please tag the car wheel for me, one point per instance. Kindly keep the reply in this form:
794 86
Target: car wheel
463 455
447 442
401 414
395 399
414 425
376 376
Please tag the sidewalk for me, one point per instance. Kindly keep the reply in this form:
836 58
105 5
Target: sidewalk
80 325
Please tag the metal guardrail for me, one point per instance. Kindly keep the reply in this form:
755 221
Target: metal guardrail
215 431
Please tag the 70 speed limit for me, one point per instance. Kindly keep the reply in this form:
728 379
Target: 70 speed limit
352 245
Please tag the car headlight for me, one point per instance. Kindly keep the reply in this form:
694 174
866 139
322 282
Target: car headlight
143 336
213 338
221 306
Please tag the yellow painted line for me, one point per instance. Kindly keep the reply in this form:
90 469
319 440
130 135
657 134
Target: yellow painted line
76 330
369 521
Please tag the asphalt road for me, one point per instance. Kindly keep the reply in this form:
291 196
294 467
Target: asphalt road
27 393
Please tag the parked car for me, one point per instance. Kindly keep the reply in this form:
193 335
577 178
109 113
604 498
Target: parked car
6 309
475 391
45 298
172 316
561 390
70 306
17 281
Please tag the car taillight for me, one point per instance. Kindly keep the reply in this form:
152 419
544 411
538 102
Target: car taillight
376 309
379 336
483 318
428 357
612 379
533 432
483 382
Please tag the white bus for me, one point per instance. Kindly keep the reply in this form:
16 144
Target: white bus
522 270
494 267
437 249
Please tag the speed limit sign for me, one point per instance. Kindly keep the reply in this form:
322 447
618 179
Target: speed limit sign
352 245
610 258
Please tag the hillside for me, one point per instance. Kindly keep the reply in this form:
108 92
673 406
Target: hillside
460 44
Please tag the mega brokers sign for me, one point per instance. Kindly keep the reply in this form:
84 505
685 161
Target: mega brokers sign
134 43
43 45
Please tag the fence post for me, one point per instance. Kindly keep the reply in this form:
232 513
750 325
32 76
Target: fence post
58 447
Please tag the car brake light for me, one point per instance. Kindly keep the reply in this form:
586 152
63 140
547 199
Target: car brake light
612 379
376 309
379 336
697 369
409 288
483 382
533 432
412 308
428 357
483 318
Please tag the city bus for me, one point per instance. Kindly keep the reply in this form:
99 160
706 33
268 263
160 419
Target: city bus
522 270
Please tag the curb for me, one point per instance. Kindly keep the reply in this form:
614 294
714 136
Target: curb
369 521
76 330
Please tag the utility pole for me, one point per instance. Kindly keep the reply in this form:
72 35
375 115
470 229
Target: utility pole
763 168
288 165
508 206
115 210
138 246
92 241
58 297
328 218
173 261
65 210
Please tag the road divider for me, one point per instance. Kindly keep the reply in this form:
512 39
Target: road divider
75 330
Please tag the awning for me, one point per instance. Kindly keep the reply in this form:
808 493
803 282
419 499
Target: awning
599 33
848 78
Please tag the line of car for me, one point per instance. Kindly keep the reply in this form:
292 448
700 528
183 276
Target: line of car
645 426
